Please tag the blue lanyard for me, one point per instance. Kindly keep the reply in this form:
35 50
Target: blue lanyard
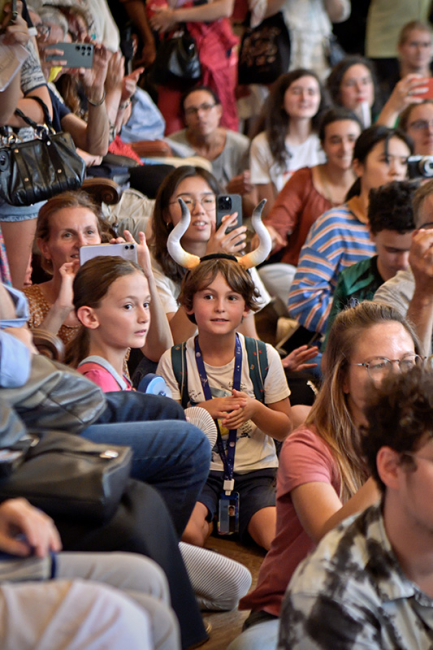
229 458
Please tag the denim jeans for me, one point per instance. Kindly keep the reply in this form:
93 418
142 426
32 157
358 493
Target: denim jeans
169 453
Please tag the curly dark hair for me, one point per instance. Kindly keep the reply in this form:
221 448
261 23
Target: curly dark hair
274 119
399 416
390 207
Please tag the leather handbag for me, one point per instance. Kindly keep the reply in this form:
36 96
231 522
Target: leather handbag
176 59
37 169
66 475
55 397
264 52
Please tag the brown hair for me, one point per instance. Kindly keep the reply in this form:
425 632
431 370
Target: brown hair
238 279
91 285
411 27
77 199
330 413
403 122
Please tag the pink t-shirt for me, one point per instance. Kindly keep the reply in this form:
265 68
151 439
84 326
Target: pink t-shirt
304 458
103 378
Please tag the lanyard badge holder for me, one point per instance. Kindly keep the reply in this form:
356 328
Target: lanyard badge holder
228 504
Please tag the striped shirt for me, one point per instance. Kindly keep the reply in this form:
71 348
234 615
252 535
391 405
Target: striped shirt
335 241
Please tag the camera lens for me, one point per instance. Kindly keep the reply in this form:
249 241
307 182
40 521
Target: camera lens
225 202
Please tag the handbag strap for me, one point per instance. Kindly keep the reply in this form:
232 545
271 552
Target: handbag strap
29 121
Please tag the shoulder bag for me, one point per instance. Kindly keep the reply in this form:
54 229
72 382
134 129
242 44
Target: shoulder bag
40 168
264 52
176 59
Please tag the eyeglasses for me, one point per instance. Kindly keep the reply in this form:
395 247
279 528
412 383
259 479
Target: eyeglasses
380 367
193 110
426 226
43 30
421 125
207 202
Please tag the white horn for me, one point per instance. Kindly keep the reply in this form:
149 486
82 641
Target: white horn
174 246
258 255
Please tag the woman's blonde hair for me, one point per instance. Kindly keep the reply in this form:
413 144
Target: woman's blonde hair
330 413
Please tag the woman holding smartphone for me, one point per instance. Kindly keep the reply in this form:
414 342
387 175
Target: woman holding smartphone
65 224
199 190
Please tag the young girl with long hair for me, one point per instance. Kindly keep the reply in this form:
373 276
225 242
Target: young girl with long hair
322 478
111 300
288 139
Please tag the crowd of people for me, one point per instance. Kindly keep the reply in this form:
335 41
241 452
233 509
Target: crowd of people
319 455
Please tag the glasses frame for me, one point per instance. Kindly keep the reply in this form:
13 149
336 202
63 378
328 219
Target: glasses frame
193 110
196 200
366 364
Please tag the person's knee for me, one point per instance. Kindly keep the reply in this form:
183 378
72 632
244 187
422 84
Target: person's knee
263 636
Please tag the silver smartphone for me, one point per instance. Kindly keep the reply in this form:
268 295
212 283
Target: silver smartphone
76 55
126 250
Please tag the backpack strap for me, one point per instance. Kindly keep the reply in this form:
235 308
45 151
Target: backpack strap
257 365
180 370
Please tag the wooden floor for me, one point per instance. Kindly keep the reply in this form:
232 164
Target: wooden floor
227 625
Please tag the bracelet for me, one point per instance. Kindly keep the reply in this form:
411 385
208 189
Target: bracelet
124 105
101 101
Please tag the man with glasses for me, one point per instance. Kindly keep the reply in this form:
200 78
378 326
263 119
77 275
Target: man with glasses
411 291
369 584
203 136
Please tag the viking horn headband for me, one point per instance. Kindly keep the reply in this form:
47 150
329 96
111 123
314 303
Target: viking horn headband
189 261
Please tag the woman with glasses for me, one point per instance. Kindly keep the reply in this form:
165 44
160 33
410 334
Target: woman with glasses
417 122
198 189
322 478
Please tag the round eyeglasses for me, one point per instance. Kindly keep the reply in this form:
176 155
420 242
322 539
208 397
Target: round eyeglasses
379 367
207 202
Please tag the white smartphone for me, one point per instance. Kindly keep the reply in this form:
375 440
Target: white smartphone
126 250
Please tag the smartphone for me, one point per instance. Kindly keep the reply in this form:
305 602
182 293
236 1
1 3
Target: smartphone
427 83
126 250
228 204
76 55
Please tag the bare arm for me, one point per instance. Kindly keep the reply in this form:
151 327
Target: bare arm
402 95
420 311
273 7
165 18
319 508
181 327
136 10
159 338
337 10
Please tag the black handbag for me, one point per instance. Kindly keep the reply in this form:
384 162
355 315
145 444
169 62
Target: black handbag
66 475
176 59
264 52
38 169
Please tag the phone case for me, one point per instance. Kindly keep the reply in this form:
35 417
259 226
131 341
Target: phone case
76 55
126 250
223 208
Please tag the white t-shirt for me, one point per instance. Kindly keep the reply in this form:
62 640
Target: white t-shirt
264 169
254 449
169 290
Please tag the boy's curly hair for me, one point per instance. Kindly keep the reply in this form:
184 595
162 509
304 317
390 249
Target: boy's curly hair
399 416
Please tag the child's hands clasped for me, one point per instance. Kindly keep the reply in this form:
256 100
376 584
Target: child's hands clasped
220 407
243 413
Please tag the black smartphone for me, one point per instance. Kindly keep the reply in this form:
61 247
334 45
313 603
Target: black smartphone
228 204
76 55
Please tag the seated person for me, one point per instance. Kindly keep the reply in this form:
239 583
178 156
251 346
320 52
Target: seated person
417 121
203 136
321 479
309 193
65 223
251 409
411 291
340 237
178 474
369 584
414 53
391 223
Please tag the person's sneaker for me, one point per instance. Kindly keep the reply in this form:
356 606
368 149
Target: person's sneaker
204 421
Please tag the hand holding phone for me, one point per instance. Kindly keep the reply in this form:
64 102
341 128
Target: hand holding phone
127 250
74 55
